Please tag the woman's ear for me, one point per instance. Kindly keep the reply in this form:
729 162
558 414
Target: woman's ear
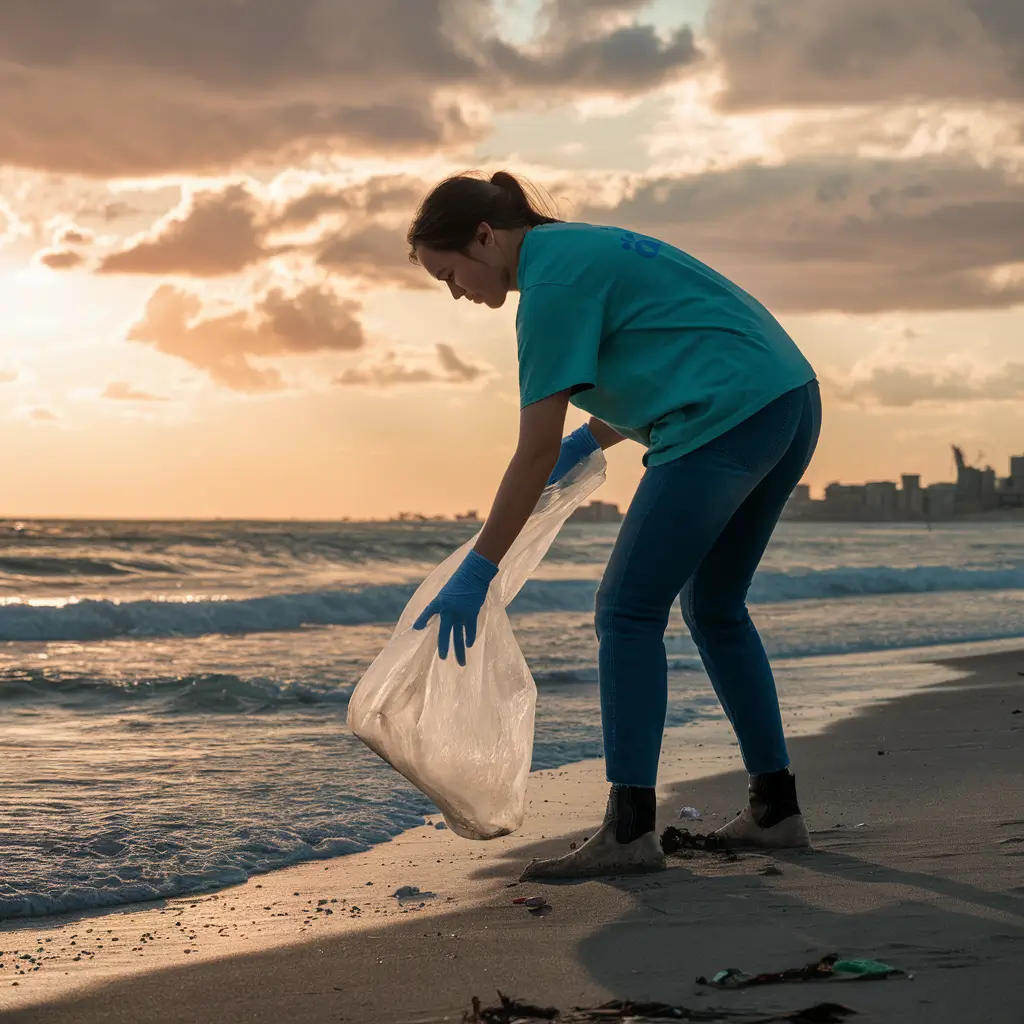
485 234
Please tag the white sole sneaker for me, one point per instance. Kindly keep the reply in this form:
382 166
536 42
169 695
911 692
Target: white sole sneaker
601 855
744 832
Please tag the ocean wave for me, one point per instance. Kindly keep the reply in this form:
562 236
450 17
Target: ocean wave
198 692
880 580
50 566
95 619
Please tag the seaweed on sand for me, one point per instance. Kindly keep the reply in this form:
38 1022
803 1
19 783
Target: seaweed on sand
512 1011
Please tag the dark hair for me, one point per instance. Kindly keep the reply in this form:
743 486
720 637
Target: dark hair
448 217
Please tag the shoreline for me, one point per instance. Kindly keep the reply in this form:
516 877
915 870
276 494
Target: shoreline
470 881
800 720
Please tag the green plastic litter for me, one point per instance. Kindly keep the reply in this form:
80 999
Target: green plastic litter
864 968
723 976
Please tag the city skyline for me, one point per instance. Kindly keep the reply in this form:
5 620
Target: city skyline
976 490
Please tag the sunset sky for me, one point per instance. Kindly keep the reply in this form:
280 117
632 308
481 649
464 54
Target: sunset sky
207 307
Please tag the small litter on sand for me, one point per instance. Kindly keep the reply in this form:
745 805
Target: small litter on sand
512 1011
828 968
531 901
771 869
680 842
411 892
690 812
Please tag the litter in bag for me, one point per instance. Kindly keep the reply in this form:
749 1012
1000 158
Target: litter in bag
464 736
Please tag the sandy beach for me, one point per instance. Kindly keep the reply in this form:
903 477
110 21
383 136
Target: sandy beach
918 820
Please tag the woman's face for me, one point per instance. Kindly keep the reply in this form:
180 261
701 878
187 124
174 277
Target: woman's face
481 274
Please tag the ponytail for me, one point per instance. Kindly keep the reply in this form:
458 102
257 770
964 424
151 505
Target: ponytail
449 216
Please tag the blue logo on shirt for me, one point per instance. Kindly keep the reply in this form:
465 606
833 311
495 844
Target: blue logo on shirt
643 246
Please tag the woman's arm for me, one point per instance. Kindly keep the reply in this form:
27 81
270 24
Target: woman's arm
540 439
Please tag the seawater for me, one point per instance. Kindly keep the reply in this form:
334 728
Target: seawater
173 695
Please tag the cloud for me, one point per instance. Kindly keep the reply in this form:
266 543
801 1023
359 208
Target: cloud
383 193
60 259
220 231
122 391
210 233
71 234
833 52
860 237
11 227
315 319
8 376
819 233
413 366
108 89
901 387
375 254
44 416
598 45
116 209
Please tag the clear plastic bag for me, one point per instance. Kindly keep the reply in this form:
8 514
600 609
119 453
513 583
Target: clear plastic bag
464 736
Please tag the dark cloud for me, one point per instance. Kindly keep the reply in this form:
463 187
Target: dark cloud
73 235
108 88
901 387
384 193
225 230
124 392
375 254
455 367
597 45
810 52
215 232
859 237
117 209
391 369
60 259
313 320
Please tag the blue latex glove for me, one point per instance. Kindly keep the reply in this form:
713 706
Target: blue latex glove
458 603
575 448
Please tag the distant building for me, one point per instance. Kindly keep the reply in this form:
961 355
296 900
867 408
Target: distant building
975 491
1017 473
880 498
846 500
910 500
975 488
940 501
596 512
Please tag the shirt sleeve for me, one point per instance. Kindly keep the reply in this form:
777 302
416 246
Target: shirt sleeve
559 333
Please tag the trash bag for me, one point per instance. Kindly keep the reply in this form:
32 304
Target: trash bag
464 736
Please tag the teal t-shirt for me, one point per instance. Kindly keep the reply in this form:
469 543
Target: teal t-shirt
647 338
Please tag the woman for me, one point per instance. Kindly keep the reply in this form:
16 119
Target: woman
661 350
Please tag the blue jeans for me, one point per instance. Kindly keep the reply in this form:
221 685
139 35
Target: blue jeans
696 529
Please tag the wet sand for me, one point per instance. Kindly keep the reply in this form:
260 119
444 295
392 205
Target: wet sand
918 861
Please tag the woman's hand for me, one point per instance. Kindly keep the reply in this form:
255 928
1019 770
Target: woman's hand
458 603
575 448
